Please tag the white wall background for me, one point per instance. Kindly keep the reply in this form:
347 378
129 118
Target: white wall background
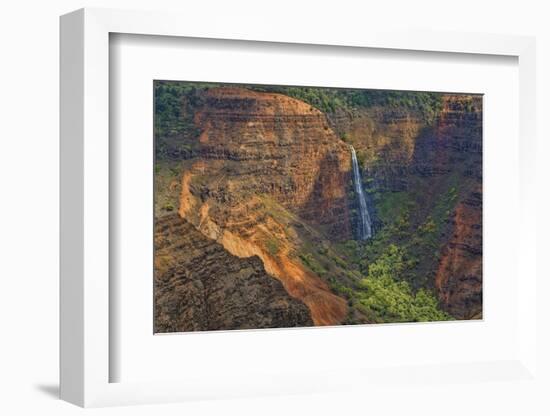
29 200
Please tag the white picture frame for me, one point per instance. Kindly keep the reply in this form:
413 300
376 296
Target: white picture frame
85 267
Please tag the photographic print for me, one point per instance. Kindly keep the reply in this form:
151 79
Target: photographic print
293 206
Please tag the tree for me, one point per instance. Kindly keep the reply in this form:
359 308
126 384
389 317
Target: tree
385 298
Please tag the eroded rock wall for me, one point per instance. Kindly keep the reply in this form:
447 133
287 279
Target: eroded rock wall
199 286
400 152
268 164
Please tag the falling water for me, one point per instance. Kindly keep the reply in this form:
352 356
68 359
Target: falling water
364 229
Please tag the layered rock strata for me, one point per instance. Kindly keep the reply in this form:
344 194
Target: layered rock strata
401 153
459 275
268 163
199 286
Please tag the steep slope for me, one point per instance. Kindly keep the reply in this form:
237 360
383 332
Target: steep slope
459 275
458 278
424 184
276 145
268 163
200 286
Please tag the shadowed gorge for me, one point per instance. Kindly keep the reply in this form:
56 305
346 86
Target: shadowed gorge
362 206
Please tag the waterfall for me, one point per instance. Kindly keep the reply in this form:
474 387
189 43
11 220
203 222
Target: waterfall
364 228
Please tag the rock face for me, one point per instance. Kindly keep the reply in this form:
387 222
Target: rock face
268 166
458 278
459 275
203 287
402 154
386 140
276 145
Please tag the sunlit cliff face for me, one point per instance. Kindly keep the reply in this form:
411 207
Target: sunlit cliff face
269 163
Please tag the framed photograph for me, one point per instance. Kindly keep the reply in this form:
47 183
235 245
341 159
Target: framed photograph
281 213
280 206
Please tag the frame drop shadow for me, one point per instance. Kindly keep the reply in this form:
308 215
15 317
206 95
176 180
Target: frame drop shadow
51 390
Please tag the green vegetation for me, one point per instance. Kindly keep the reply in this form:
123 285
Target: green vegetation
428 104
329 100
383 297
272 245
168 207
387 300
311 262
393 205
174 128
174 102
381 293
167 183
174 99
415 221
397 265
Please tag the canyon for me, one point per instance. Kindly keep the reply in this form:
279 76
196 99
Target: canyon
267 179
403 156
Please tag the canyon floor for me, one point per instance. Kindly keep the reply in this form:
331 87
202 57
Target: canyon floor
259 222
